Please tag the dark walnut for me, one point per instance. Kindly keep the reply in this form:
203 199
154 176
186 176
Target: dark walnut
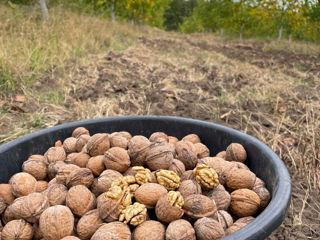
236 152
264 196
159 156
149 194
88 224
180 229
221 197
117 159
149 230
169 207
79 131
186 152
178 167
240 178
138 147
81 176
189 187
208 229
114 230
98 144
198 206
17 229
224 218
244 202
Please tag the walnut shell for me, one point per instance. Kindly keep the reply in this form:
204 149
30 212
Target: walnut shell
80 200
172 140
240 178
96 165
189 187
79 131
258 183
201 150
109 209
221 197
138 147
239 165
7 215
55 154
38 169
114 230
41 186
118 140
98 144
186 152
38 158
194 138
80 159
117 159
149 194
22 184
3 205
178 167
264 196
56 222
58 143
103 183
70 238
6 194
53 168
240 223
180 229
81 176
69 144
64 171
30 207
149 230
187 175
81 142
88 224
198 206
167 211
244 202
208 229
57 194
126 134
221 154
37 234
158 137
159 157
236 152
17 229
224 218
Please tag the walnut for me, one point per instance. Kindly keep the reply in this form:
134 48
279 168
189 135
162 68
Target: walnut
37 234
149 230
201 150
55 154
7 215
169 207
56 222
186 152
208 229
159 156
58 143
80 200
6 194
69 144
263 194
158 137
22 184
258 183
98 144
239 165
114 230
244 202
169 179
70 238
172 140
81 142
64 171
143 175
109 208
53 168
180 229
221 197
41 186
103 183
236 152
134 214
224 218
206 177
221 154
240 223
52 181
38 158
189 187
138 147
118 140
187 175
37 169
149 194
198 206
240 178
57 194
3 205
96 165
117 159
80 159
192 138
30 207
88 224
17 229
178 167
79 131
124 182
81 176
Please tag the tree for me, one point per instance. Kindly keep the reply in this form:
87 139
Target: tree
44 10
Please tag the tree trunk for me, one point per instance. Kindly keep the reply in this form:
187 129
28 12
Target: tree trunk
44 10
280 33
241 32
112 11
290 37
221 32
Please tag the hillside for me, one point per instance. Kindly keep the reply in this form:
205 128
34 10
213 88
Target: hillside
80 67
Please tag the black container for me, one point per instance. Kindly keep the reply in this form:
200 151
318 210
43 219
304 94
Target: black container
261 159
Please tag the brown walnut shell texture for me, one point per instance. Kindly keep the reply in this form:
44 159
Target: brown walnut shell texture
189 187
114 230
17 229
186 152
187 175
69 144
240 223
178 167
81 176
80 159
173 140
180 230
159 156
70 238
64 171
96 165
201 150
53 168
22 184
221 197
118 140
55 154
37 235
41 186
221 154
88 224
57 194
109 209
3 205
149 230
158 137
194 138
103 183
138 147
81 142
7 215
240 178
79 131
224 218
264 196
117 159
56 222
98 144
244 202
236 152
37 157
35 168
198 206
166 212
208 229
149 194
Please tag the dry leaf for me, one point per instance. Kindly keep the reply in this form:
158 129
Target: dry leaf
282 109
20 98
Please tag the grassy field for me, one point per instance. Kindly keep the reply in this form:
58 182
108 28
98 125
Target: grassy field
80 67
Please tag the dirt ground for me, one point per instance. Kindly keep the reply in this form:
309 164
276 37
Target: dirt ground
272 94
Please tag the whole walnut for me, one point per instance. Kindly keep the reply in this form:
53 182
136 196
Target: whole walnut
236 152
264 196
114 230
55 154
258 183
158 137
159 156
169 207
80 159
198 206
172 140
240 223
221 197
88 224
41 186
7 215
239 165
81 142
57 194
149 230
178 167
53 168
109 209
186 152
79 131
244 202
103 183
52 181
201 150
224 218
81 176
38 158
70 238
37 169
69 144
117 159
6 194
29 207
149 194
187 175
22 184
58 143
118 140
56 222
189 187
192 138
98 144
208 229
80 200
96 165
64 171
180 229
240 178
17 229
221 154
138 147
126 134
3 205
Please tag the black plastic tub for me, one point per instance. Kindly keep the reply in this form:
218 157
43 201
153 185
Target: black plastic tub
261 159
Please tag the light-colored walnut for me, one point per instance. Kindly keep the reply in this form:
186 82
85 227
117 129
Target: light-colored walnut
201 150
117 159
149 230
159 156
64 171
221 154
38 157
79 131
194 138
221 197
244 202
173 140
178 167
80 159
240 178
138 147
118 140
69 144
180 229
189 187
81 142
208 229
114 230
198 206
236 152
169 207
57 194
17 229
88 224
53 168
186 152
96 165
134 214
58 143
169 179
81 176
38 169
22 184
224 218
149 194
55 154
98 144
41 186
70 238
206 177
158 137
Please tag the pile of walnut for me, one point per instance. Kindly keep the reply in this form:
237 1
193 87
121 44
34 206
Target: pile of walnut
115 186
